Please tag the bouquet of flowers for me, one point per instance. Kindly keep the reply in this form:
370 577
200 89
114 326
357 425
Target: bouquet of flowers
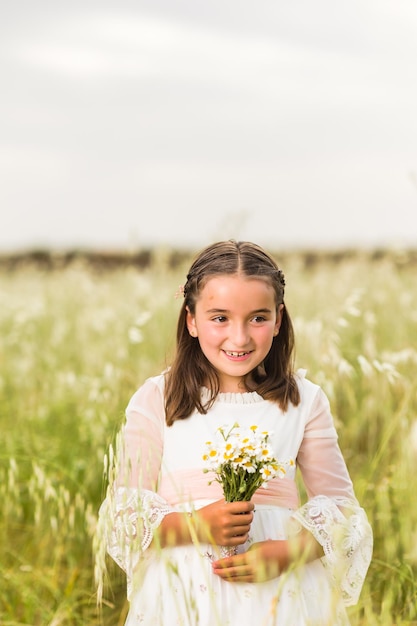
242 461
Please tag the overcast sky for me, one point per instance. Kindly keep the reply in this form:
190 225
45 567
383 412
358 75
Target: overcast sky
125 124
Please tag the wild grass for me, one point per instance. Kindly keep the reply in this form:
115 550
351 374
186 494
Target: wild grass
74 345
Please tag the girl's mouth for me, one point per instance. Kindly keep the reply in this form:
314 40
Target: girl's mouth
236 355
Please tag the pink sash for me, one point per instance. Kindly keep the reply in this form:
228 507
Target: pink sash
191 485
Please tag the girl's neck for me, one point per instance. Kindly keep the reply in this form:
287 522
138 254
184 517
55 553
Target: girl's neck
245 385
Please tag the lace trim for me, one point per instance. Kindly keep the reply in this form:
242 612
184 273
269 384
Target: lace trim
132 518
341 527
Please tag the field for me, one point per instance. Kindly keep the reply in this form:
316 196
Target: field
78 337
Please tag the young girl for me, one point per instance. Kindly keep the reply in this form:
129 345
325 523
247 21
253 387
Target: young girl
295 564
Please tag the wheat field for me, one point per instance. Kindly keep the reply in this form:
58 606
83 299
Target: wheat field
76 341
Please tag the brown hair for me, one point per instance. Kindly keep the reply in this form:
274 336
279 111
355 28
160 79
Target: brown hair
190 369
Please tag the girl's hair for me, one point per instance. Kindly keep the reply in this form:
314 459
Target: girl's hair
190 369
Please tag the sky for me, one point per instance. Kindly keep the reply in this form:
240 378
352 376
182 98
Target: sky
130 124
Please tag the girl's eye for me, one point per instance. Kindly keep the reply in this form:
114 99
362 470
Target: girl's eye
219 318
259 318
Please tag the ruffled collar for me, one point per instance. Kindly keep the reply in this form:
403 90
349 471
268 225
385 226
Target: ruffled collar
246 397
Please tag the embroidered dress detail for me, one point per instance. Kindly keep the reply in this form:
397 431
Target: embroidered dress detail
341 527
133 519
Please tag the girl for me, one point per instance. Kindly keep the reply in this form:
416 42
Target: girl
164 520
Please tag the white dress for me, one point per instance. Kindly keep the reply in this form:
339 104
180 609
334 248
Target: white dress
175 586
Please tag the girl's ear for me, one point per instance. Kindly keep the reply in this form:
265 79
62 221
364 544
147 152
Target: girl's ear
279 319
190 319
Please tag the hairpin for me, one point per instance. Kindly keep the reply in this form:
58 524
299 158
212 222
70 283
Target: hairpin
179 292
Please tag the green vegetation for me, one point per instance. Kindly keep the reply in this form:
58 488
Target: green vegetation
76 341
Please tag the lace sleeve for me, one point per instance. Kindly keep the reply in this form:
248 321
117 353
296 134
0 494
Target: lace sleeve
332 513
129 519
341 527
132 509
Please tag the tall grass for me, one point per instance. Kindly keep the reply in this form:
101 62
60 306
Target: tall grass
75 344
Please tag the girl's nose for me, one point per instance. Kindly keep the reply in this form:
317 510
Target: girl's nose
239 335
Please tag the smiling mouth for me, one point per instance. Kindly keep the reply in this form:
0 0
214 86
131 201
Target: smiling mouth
235 354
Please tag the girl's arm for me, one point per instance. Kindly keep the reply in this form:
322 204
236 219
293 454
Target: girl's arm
332 513
132 509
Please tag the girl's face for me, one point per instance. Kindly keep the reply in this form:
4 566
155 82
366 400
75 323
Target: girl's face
235 320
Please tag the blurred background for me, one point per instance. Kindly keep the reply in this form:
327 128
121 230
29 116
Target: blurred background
157 122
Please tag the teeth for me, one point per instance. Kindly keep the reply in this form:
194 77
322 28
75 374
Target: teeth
236 353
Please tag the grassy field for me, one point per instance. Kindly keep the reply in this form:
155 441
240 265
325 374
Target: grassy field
75 342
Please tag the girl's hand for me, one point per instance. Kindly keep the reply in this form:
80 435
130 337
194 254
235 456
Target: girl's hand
225 523
263 561
268 559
